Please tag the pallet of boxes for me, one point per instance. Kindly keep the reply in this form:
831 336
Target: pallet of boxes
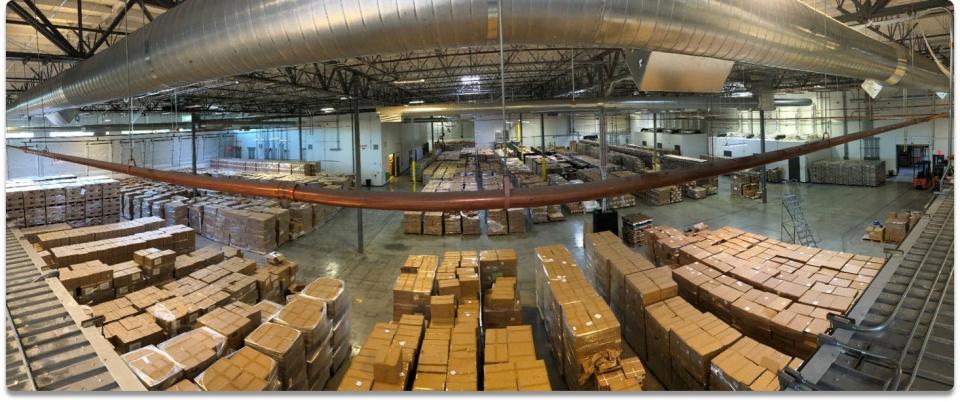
582 330
728 309
213 320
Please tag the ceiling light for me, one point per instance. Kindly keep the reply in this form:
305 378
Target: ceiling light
69 134
416 102
107 120
405 82
344 98
470 79
19 134
328 110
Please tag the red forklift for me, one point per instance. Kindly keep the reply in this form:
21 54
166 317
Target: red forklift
927 174
923 178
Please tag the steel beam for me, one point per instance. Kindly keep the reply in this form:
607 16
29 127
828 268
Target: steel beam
43 28
111 27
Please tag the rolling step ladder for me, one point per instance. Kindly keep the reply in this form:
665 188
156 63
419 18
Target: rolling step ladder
46 349
794 227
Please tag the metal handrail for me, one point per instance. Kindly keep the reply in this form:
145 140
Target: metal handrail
926 338
843 322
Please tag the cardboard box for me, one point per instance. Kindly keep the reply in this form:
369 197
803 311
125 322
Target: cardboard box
174 315
232 326
244 370
309 316
195 350
285 346
132 333
332 292
388 365
184 386
154 368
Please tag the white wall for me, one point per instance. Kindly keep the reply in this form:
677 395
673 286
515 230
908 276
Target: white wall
327 139
161 151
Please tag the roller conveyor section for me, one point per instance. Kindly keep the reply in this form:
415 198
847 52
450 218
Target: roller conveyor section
46 349
899 335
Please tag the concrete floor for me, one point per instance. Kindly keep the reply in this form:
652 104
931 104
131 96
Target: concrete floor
837 214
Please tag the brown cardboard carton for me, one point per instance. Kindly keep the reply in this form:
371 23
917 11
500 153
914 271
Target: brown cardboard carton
332 292
195 350
500 377
154 368
309 316
284 345
532 376
388 365
234 327
184 386
245 370
133 332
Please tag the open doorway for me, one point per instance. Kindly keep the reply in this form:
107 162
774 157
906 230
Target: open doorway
394 163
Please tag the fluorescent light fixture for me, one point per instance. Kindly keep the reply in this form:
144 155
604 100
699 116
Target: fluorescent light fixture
743 94
416 102
20 134
406 82
107 120
344 98
470 79
127 132
70 134
328 110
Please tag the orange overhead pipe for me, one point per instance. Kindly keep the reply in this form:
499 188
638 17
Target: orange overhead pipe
467 201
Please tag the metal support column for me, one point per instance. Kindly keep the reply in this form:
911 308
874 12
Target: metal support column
603 153
430 148
846 146
194 124
520 131
763 150
356 166
300 131
654 146
543 137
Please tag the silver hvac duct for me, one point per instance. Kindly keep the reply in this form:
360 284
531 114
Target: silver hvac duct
209 39
705 103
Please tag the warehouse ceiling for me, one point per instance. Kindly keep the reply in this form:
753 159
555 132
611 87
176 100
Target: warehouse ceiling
44 39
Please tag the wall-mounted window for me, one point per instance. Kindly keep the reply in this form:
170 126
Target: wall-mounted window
871 149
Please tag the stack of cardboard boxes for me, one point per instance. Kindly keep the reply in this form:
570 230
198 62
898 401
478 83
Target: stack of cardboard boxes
413 222
78 201
497 222
629 377
582 329
501 303
749 365
244 370
111 251
88 282
385 360
414 285
510 361
332 292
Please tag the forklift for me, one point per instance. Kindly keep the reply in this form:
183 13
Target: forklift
923 177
